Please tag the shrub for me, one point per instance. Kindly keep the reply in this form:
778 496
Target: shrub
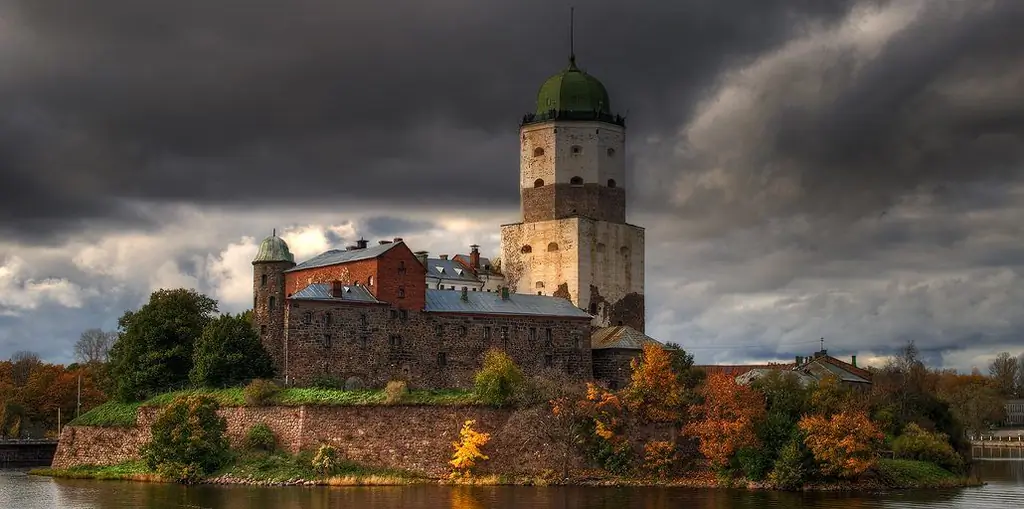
659 456
498 379
187 439
328 382
788 472
918 444
396 392
467 449
843 444
260 392
325 462
260 438
755 462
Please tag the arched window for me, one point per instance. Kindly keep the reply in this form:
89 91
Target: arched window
611 152
369 281
537 152
576 150
624 250
576 181
526 249
611 182
600 247
263 280
539 284
553 246
538 183
273 301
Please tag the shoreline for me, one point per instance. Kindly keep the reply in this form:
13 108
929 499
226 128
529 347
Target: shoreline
699 480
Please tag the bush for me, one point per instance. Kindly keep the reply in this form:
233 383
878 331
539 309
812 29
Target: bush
328 382
260 392
467 449
325 462
659 456
918 444
260 438
187 439
396 392
788 472
755 462
498 379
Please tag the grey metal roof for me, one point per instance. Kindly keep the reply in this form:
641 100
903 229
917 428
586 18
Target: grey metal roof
449 269
322 291
274 249
620 336
336 256
820 369
490 303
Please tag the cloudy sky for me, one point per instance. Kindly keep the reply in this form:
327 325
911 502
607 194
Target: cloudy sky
847 169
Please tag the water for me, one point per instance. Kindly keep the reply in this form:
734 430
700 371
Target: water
20 491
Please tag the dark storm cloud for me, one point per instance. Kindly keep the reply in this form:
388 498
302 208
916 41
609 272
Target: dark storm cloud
311 101
384 226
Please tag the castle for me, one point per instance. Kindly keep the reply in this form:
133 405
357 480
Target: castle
569 294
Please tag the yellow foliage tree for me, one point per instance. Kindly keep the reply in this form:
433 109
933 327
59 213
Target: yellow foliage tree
844 444
467 449
654 392
727 418
659 456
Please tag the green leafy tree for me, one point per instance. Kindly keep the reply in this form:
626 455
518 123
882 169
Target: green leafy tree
153 352
229 353
188 439
498 380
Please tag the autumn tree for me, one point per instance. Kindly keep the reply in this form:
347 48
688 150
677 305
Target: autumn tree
229 353
153 352
726 419
22 364
844 444
589 418
975 400
467 449
654 391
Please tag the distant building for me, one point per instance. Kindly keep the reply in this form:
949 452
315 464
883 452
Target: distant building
809 370
1014 413
472 272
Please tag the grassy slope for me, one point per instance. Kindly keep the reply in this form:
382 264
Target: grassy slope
916 474
114 414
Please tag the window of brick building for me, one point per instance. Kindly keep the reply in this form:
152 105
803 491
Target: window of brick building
401 292
548 361
396 341
405 314
327 341
504 337
327 319
307 318
533 335
547 337
462 331
363 340
487 333
362 320
442 359
439 329
576 341
401 267
394 314
273 302
263 280
369 281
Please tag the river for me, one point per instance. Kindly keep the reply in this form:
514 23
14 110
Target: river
1005 489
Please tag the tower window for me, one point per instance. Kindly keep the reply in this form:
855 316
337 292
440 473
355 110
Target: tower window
600 247
273 302
536 183
576 150
369 281
611 182
537 152
263 280
442 359
611 152
576 181
553 246
593 308
624 250
526 249
539 284
487 333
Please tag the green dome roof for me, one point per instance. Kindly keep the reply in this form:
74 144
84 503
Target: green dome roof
573 91
274 249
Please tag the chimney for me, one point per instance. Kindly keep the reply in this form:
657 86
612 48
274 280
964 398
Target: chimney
444 257
474 257
422 257
465 294
398 239
337 289
361 243
504 293
853 360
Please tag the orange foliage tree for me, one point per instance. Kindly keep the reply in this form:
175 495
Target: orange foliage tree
844 444
467 449
726 419
576 415
654 392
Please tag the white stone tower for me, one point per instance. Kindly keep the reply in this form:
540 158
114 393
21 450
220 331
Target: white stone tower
574 241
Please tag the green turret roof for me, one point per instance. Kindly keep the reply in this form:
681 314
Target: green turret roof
573 91
274 249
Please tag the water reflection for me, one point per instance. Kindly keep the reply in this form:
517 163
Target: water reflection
17 490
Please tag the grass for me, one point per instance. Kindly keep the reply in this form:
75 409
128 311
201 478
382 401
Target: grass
129 471
916 474
109 414
280 467
114 414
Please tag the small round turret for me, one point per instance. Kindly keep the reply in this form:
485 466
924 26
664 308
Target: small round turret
274 249
573 91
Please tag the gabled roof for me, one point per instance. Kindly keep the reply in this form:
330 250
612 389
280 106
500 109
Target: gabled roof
490 303
322 292
449 269
336 256
821 367
621 336
484 263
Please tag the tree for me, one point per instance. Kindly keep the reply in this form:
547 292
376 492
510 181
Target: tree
188 439
93 347
229 353
976 401
654 392
728 417
844 444
153 352
498 379
1004 372
22 364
